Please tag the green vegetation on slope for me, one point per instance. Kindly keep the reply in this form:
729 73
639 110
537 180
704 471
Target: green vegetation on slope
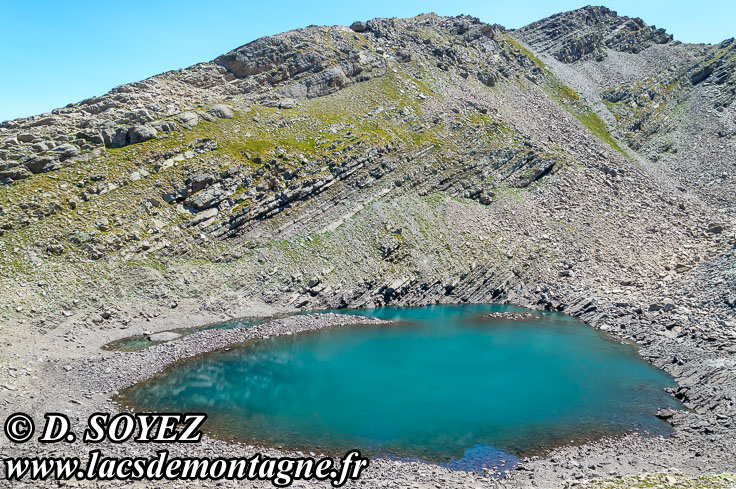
571 101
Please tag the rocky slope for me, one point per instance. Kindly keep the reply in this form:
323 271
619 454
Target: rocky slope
667 100
584 163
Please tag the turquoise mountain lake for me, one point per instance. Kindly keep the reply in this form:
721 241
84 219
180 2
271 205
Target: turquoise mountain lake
447 385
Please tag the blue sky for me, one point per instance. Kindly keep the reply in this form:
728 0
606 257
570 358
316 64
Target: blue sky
54 52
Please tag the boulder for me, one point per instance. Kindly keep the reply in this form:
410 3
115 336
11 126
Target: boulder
138 116
403 56
138 134
198 182
55 249
661 306
487 78
287 103
701 74
188 118
14 173
43 164
665 413
118 137
165 126
8 143
221 111
206 116
66 150
26 137
359 26
42 146
92 137
114 137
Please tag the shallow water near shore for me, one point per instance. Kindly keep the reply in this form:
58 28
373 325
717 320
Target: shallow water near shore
143 341
447 386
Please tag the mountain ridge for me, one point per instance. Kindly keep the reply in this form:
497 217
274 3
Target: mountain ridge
469 17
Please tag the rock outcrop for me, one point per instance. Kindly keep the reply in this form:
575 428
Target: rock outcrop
587 33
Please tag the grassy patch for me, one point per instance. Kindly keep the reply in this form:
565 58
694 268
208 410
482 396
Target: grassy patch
570 100
595 125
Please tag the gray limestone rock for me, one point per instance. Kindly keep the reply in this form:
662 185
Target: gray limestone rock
43 164
164 336
221 111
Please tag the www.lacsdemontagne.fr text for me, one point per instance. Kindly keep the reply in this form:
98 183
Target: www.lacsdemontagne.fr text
157 428
281 472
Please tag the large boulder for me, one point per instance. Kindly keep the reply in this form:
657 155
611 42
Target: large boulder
118 137
403 56
91 136
114 137
198 182
26 137
359 26
221 111
189 118
15 173
138 134
165 126
43 164
42 146
66 150
287 103
9 142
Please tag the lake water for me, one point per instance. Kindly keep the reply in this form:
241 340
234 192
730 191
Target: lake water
447 386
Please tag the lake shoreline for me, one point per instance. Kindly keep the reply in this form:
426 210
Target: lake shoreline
440 345
83 382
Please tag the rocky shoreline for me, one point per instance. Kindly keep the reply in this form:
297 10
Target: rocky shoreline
514 316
